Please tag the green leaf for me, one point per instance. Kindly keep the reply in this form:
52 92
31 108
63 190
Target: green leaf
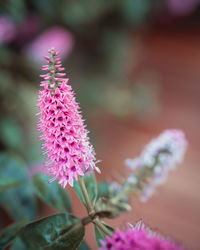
18 244
8 234
99 235
6 183
19 201
60 231
104 205
90 183
53 194
11 134
136 12
103 189
16 9
83 246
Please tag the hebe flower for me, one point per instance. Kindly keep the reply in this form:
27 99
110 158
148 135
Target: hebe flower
160 156
139 237
65 137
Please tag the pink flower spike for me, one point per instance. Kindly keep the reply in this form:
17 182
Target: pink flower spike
66 144
54 53
52 85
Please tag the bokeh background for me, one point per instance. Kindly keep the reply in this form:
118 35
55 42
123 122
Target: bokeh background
134 65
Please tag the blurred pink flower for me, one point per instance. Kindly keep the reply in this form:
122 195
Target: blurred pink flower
139 237
57 37
182 7
7 30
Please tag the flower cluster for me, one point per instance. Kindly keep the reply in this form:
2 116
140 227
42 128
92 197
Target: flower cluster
139 237
65 137
158 157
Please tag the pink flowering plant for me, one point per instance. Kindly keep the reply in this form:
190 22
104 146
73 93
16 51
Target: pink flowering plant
70 160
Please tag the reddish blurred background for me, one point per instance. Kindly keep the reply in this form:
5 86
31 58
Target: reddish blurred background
175 208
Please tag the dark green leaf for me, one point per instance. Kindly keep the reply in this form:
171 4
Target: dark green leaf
6 183
18 201
90 183
53 194
8 234
60 231
83 246
99 235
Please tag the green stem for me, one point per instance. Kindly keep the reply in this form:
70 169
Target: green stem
86 220
90 208
89 205
143 173
101 226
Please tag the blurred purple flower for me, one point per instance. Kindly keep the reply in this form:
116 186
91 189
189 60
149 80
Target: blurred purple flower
182 7
169 147
57 37
138 238
7 30
159 156
134 163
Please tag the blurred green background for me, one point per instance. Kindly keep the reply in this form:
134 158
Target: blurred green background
100 45
97 45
